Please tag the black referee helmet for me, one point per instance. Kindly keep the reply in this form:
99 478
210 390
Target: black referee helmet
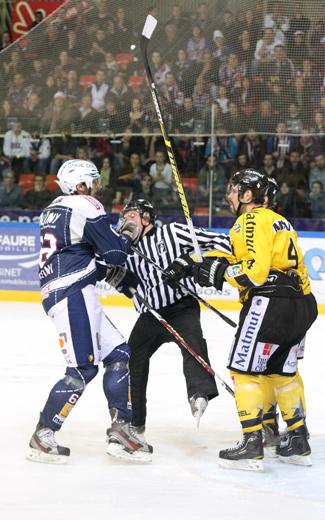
141 205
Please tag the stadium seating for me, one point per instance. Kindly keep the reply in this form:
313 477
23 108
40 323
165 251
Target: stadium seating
117 208
26 181
201 211
191 183
50 183
124 60
85 81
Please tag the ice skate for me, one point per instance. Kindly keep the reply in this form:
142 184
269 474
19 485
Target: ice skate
124 442
139 432
246 455
44 448
198 404
294 448
271 439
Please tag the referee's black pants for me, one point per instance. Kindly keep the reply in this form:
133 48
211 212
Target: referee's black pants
147 336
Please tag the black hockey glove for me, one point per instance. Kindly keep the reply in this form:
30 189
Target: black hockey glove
129 228
210 272
178 269
122 280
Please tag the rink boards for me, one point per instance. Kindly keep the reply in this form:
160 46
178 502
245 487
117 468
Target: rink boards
19 251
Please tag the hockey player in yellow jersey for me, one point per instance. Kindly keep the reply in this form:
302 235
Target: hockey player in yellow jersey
278 308
271 432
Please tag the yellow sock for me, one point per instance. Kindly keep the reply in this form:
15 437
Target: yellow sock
302 394
249 400
288 395
269 401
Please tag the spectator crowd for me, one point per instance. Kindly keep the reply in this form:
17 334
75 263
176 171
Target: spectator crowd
254 79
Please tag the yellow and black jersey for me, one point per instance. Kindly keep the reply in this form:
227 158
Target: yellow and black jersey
263 240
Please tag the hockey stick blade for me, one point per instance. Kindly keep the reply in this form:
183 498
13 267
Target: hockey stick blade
149 26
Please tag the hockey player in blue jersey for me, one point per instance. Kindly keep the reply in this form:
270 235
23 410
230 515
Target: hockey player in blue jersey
77 245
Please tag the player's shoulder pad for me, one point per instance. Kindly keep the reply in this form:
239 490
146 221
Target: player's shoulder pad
88 206
58 201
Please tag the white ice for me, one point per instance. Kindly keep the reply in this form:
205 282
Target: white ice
184 480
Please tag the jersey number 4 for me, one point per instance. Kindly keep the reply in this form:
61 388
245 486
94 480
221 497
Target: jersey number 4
293 254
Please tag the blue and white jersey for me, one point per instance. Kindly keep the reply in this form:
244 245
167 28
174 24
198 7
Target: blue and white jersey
76 237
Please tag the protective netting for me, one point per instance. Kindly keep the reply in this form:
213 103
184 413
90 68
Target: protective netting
260 65
240 82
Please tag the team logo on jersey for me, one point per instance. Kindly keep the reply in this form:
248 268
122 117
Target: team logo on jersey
234 270
267 349
161 246
237 228
263 352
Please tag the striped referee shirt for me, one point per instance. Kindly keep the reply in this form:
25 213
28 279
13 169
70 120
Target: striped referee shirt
162 245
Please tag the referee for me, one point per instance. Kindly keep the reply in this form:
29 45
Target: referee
163 245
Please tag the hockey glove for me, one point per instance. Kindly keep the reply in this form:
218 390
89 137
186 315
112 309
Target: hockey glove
122 280
178 269
210 272
129 228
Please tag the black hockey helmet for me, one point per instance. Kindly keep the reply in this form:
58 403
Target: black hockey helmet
141 205
249 179
271 192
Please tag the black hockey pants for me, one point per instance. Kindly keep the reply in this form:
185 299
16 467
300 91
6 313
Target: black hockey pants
148 335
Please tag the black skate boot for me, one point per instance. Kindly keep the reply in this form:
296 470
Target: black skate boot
126 442
198 404
44 448
246 455
271 439
294 447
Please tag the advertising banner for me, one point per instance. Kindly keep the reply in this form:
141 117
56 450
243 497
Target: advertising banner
19 251
23 14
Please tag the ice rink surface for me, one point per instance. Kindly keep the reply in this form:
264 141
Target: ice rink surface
184 480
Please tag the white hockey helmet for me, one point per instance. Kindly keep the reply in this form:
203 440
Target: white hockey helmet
74 172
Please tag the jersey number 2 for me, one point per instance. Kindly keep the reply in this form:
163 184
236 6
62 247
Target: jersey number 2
48 246
293 254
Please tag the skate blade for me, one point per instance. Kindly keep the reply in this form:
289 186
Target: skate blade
298 460
201 406
197 416
244 464
45 458
117 450
270 451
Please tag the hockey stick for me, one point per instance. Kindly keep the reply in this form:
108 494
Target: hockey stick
192 293
182 341
148 29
